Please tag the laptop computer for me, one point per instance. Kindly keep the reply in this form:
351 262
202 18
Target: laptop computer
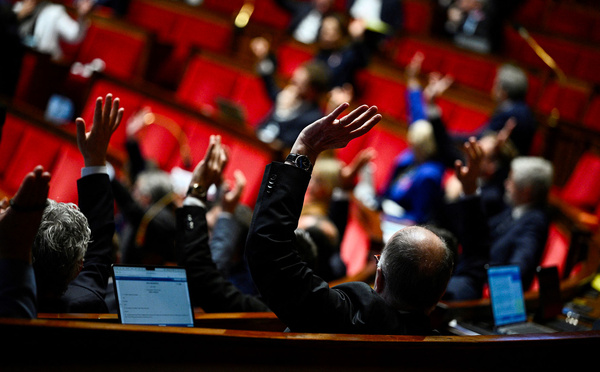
508 304
152 295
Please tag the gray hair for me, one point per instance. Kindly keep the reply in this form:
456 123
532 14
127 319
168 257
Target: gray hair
513 81
59 247
534 172
416 264
154 183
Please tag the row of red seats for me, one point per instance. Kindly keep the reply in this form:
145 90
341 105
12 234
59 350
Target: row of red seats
25 145
561 18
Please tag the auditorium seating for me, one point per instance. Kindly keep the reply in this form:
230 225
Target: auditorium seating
581 189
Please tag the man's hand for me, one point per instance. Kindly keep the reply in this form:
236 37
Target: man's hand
436 86
93 145
504 133
232 197
20 219
468 175
210 169
330 132
349 172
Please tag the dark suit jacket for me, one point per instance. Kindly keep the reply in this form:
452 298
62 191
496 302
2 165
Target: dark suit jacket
302 300
208 288
87 291
297 10
497 240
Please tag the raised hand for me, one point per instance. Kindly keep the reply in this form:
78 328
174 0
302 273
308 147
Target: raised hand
209 170
469 173
93 145
20 219
232 197
349 172
330 132
436 86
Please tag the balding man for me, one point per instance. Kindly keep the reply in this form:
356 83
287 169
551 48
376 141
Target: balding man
412 272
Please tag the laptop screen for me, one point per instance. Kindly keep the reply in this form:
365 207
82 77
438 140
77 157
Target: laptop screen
506 295
153 295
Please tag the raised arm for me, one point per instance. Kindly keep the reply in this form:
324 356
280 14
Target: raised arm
300 299
208 287
19 221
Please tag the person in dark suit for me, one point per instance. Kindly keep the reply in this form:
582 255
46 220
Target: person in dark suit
209 289
405 290
19 221
517 235
72 252
296 105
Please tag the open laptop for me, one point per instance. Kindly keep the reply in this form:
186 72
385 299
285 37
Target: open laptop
508 304
152 295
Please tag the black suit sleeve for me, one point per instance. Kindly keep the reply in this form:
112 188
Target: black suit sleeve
97 204
208 288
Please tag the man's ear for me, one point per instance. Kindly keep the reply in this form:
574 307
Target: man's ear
379 281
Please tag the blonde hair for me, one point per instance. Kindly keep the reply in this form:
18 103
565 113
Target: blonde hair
421 138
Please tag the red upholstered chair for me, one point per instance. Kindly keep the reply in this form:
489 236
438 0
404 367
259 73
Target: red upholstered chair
568 20
229 7
591 118
569 99
123 49
152 16
407 47
268 13
417 16
477 73
587 64
36 147
204 80
386 92
290 55
195 30
388 144
581 189
249 159
65 173
466 119
250 93
12 132
159 141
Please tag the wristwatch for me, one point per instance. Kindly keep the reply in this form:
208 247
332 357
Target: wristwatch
299 161
196 190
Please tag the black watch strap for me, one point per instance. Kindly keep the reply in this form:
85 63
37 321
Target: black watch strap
300 161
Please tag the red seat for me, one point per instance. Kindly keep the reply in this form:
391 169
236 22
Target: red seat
123 49
570 100
159 141
387 93
229 7
466 120
153 17
268 13
591 119
555 253
587 65
12 132
388 144
250 93
565 19
477 73
35 148
251 160
290 55
354 247
407 47
204 81
417 16
65 173
581 188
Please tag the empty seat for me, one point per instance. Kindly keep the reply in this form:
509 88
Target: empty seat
12 131
268 13
250 93
204 81
152 16
569 99
591 118
387 93
65 173
581 188
290 55
123 49
418 16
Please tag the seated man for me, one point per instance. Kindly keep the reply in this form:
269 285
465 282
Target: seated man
72 252
516 236
412 274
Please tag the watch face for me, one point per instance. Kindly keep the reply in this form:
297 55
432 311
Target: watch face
305 162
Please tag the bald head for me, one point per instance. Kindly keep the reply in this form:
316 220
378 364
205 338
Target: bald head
416 265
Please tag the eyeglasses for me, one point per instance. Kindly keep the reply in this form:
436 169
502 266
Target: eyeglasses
377 258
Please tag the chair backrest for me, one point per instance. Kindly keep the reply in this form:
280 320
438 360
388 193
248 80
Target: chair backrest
581 189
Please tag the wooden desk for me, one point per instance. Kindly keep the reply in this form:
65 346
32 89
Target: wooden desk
56 344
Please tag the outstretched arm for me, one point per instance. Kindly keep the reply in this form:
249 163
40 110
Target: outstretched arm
96 202
302 300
